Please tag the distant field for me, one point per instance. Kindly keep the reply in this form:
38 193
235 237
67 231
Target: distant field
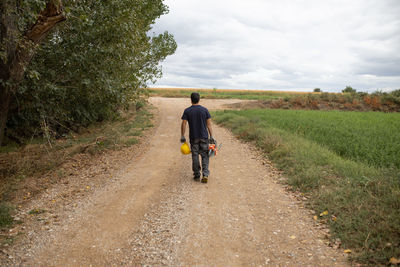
223 93
360 101
346 162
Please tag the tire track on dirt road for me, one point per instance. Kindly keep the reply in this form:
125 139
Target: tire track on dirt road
156 214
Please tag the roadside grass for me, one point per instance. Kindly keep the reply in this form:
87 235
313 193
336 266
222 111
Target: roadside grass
42 155
223 93
5 218
362 198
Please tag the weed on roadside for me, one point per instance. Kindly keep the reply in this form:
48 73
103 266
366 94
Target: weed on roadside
5 218
36 211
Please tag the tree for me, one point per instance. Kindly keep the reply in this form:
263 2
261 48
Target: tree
317 90
349 89
395 93
90 66
20 35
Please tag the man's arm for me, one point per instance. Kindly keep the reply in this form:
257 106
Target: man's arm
183 130
209 128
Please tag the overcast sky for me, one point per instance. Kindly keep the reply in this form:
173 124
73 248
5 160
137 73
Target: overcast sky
283 44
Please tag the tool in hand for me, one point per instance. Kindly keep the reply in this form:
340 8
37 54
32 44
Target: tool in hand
213 149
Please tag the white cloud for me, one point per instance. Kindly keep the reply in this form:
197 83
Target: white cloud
283 44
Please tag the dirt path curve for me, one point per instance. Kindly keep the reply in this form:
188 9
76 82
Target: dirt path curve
156 214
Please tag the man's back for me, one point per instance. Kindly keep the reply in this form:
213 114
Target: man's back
197 116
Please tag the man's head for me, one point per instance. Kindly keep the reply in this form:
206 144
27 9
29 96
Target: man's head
195 97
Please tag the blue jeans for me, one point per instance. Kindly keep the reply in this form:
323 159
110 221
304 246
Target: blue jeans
200 147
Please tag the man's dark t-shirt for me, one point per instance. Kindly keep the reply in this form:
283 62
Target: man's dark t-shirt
197 117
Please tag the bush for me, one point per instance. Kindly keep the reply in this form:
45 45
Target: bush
395 93
317 90
349 89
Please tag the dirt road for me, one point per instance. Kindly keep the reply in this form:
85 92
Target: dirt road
156 214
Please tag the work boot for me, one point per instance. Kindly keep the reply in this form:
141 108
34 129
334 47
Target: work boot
196 177
204 180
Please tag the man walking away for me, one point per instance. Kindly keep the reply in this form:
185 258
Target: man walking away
199 129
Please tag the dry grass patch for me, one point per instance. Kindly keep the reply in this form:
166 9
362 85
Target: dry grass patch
23 170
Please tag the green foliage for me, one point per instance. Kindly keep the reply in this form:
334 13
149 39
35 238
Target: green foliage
363 201
36 211
93 64
348 89
396 93
317 90
5 217
26 12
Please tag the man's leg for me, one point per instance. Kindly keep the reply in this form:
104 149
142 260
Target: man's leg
204 158
195 147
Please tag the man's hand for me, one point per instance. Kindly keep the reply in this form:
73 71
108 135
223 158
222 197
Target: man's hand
183 139
212 140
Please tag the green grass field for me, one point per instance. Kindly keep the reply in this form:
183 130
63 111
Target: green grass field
347 162
369 137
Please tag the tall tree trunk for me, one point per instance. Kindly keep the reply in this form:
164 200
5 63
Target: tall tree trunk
20 54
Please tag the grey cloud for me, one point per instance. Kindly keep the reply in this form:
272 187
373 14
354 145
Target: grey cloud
282 44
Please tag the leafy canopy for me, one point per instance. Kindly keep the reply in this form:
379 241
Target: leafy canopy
91 65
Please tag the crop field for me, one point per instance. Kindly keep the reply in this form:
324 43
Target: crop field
224 93
369 137
346 163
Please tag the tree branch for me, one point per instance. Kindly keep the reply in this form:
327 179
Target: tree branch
26 48
48 18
